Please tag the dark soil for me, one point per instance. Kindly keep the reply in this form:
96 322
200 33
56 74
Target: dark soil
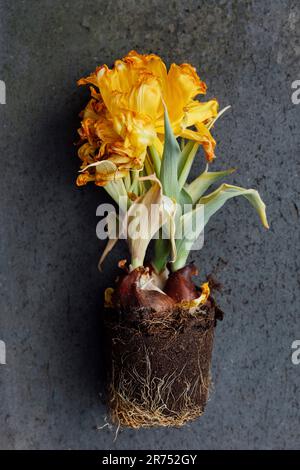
159 364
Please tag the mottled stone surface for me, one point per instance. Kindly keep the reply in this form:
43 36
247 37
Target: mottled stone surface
51 292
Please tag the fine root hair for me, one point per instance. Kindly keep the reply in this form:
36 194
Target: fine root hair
143 400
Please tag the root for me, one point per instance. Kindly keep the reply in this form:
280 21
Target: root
146 401
159 365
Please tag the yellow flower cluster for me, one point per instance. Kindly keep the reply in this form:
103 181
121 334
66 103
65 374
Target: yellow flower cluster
125 114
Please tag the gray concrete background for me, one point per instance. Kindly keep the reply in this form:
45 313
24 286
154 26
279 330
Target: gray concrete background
51 292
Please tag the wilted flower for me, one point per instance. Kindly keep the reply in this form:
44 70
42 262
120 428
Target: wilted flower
125 115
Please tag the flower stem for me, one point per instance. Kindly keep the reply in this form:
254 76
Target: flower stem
155 159
180 262
117 191
161 254
127 181
135 182
136 263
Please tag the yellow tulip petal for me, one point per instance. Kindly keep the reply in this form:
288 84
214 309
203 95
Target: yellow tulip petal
203 137
197 111
158 144
152 63
202 299
91 79
205 293
84 178
125 114
183 85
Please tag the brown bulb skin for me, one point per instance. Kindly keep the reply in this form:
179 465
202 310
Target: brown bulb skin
180 286
152 299
123 295
128 295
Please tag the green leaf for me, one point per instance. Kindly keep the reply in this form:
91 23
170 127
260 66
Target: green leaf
198 187
169 164
188 165
184 198
155 159
189 229
185 151
210 204
215 200
162 248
